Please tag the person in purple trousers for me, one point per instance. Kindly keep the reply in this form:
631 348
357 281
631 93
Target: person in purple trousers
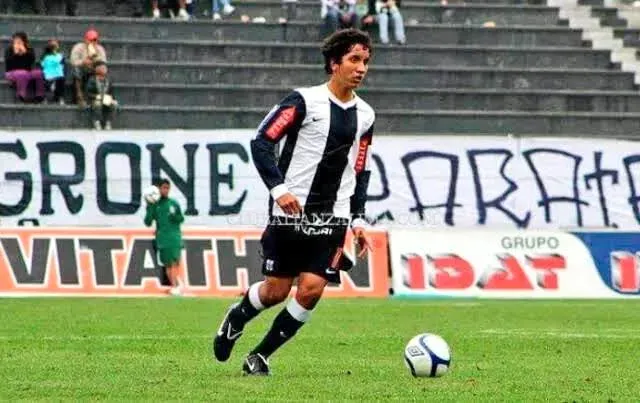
20 70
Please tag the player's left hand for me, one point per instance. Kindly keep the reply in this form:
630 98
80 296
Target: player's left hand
363 241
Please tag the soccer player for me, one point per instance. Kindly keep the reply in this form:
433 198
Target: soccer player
319 184
168 217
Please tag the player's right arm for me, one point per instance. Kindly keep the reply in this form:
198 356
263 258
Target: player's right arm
284 118
150 214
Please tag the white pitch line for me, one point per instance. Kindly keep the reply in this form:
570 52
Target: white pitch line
429 304
105 337
622 334
606 334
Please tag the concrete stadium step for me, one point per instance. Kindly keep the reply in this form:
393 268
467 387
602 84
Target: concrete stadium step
379 76
501 12
306 53
252 96
608 16
422 12
630 36
118 28
593 3
506 2
388 121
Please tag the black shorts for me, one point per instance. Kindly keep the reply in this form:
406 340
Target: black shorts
290 248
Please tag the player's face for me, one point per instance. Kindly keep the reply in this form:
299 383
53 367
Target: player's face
164 190
353 68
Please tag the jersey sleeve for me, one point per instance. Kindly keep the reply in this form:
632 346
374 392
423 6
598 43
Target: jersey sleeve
177 217
362 168
286 117
150 214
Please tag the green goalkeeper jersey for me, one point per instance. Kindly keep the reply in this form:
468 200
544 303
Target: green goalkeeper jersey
168 217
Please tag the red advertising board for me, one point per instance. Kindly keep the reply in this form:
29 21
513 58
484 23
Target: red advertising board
122 262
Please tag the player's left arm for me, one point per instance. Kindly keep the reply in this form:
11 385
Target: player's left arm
177 217
359 198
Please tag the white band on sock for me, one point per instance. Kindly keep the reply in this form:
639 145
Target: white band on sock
254 296
299 313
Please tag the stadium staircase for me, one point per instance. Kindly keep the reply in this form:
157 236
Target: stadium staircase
531 73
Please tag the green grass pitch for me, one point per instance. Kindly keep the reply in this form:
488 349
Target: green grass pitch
160 349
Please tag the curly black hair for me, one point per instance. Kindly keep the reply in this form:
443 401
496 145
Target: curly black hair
162 181
339 43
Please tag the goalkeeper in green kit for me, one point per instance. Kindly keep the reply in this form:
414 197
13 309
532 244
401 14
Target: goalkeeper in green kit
168 217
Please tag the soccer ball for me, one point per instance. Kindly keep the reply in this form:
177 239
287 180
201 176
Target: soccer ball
427 355
151 194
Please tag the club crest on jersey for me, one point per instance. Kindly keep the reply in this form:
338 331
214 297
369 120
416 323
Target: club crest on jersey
268 265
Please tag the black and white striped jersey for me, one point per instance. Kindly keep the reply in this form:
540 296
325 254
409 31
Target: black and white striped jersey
323 154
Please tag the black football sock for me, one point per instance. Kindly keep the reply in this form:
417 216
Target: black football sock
249 307
284 327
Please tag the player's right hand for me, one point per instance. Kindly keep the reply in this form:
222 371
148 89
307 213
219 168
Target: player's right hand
289 204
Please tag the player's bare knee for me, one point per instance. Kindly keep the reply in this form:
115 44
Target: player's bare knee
273 293
276 296
309 295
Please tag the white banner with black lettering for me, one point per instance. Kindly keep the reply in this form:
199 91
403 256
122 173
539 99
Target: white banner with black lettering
95 178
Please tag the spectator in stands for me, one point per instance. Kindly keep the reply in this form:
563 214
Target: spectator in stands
100 90
170 6
389 10
52 63
41 6
136 5
225 5
366 13
84 56
20 68
338 14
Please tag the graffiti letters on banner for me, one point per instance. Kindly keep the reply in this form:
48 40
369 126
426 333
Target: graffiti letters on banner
88 178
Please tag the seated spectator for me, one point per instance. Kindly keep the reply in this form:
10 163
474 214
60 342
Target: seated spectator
366 13
100 90
20 70
389 10
225 5
338 14
137 7
170 6
52 63
42 6
84 56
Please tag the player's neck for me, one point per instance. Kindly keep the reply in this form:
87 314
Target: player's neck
343 94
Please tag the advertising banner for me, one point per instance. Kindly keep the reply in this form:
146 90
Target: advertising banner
514 264
89 178
122 262
616 255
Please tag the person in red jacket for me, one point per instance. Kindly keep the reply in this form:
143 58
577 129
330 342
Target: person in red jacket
20 71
